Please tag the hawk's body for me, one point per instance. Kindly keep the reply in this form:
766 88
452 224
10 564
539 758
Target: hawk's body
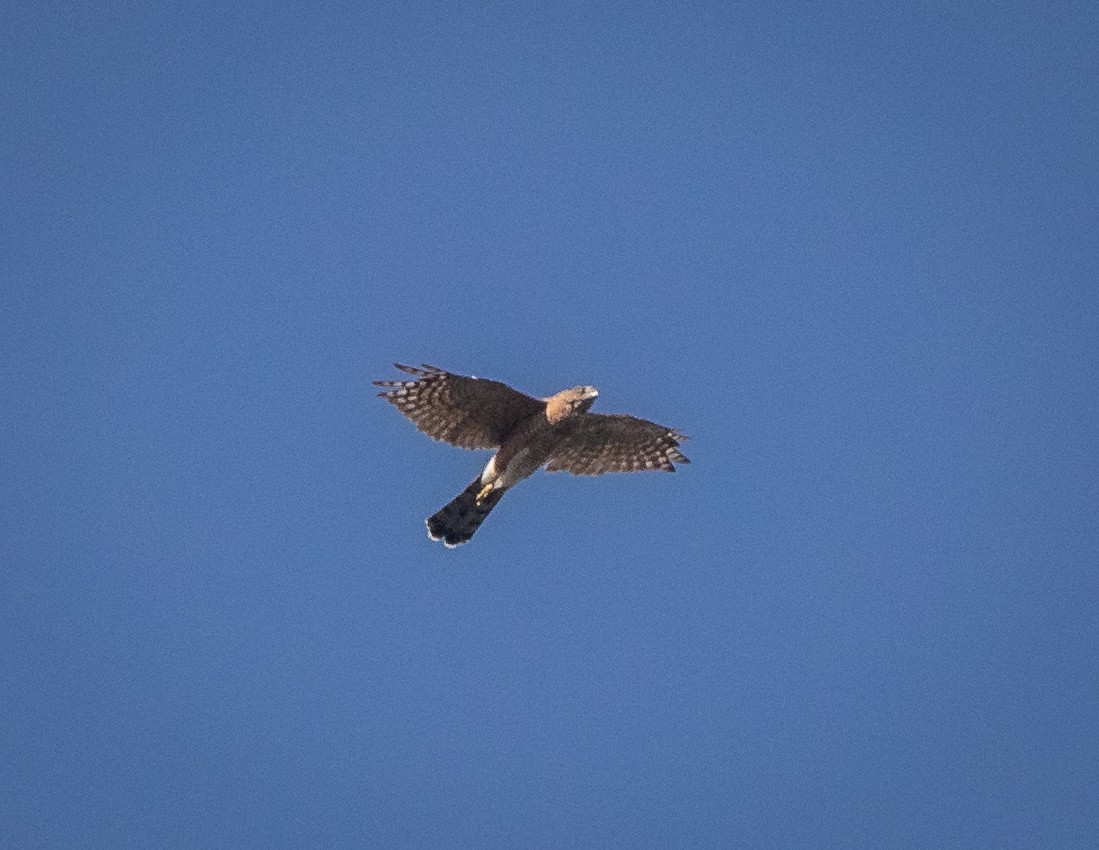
557 432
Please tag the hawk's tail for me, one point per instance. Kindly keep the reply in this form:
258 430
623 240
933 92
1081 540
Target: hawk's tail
455 522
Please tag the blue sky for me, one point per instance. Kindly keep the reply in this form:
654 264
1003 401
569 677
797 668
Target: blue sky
849 248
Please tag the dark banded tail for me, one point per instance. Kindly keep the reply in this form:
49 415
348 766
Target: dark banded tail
455 522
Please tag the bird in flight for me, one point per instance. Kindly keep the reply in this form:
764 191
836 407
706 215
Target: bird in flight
557 433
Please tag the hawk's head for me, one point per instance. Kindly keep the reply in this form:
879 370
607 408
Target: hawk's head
569 402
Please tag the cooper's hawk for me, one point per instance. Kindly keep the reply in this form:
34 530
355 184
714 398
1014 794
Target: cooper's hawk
556 432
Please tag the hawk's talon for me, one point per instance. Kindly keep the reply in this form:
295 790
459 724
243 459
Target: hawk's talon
484 493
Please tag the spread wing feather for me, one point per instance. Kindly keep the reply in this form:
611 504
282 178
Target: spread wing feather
470 413
594 443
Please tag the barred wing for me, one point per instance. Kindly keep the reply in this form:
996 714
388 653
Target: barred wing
594 443
470 413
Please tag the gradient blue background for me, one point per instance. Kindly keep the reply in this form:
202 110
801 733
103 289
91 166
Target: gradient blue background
851 248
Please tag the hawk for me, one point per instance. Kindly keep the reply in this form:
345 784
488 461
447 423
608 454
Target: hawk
557 433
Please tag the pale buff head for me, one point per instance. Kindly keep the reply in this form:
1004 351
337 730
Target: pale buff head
570 402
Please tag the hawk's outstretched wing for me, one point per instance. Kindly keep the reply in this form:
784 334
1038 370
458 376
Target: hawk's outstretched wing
594 443
471 413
